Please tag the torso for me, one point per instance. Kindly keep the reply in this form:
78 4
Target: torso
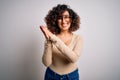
60 64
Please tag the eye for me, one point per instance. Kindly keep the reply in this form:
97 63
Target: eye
59 17
66 17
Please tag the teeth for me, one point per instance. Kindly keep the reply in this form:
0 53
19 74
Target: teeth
64 25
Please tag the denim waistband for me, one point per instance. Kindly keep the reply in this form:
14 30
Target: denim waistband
71 74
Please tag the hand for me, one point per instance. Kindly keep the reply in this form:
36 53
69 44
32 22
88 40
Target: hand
46 32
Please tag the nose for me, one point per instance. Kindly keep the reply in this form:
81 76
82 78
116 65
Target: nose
63 19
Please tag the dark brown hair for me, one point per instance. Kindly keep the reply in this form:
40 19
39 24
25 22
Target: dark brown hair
52 17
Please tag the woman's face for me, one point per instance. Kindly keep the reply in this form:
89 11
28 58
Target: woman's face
64 21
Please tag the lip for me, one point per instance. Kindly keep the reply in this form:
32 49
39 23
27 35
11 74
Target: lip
64 25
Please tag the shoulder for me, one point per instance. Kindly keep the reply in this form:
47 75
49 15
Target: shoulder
77 36
78 39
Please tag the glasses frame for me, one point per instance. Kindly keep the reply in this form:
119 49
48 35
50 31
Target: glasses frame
65 17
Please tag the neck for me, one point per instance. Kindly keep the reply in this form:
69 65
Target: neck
65 33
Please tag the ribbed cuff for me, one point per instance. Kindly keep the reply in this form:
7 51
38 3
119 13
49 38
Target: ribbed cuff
53 38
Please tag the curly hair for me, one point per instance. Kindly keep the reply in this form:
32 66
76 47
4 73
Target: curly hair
52 18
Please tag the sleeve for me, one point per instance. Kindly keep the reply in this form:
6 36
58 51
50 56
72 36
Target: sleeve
71 55
47 54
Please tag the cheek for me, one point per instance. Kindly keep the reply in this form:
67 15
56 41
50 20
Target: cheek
59 23
70 21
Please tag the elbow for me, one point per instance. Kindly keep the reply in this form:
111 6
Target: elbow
74 59
47 63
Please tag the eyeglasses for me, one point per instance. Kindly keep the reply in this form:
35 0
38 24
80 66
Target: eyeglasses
66 17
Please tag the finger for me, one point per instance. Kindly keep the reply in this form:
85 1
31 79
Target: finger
41 27
44 31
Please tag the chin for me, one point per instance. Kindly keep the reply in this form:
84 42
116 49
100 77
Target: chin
65 29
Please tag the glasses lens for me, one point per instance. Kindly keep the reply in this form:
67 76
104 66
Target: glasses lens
64 17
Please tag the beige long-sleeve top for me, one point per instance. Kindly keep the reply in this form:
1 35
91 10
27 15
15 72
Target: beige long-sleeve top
60 57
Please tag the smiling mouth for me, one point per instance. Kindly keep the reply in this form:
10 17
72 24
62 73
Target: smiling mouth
64 25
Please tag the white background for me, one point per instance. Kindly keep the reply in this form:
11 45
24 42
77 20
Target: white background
21 41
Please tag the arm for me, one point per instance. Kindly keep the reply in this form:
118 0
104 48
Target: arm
71 55
47 55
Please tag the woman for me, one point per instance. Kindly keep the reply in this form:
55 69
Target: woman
62 47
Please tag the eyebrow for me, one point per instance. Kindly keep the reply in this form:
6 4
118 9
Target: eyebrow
66 15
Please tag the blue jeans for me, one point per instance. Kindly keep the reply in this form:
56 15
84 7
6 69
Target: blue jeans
51 75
